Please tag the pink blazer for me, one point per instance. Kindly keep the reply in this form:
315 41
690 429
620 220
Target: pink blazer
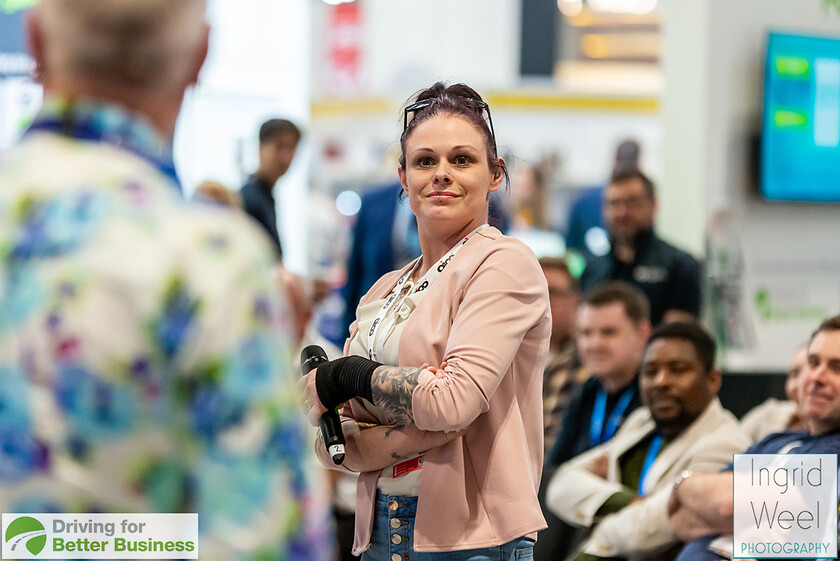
487 315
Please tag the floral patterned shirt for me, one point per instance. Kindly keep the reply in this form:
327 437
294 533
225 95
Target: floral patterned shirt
144 362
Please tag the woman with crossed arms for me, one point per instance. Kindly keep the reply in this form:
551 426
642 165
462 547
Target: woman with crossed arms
449 457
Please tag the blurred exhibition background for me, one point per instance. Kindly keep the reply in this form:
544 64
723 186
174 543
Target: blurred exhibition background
691 80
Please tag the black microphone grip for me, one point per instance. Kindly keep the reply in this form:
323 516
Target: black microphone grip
331 432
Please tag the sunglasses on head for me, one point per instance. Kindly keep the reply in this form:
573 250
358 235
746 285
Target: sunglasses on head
422 104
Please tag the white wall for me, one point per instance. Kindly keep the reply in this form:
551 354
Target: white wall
409 44
783 255
685 116
258 67
415 42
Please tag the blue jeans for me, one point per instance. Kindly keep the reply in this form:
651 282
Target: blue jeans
393 535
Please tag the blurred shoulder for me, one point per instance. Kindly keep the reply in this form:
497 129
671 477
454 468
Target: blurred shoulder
216 241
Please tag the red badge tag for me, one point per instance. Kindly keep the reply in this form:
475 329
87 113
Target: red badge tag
408 466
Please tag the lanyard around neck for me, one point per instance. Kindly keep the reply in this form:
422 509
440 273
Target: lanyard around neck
109 126
381 329
653 451
599 431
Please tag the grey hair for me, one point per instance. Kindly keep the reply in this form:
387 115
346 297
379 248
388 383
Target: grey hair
131 43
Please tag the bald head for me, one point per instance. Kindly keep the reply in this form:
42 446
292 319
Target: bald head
120 49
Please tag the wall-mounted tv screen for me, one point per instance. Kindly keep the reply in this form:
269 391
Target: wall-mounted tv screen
800 136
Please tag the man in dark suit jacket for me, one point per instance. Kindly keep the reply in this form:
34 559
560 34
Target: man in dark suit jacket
378 244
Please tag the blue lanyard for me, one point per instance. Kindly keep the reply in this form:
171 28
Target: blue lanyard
122 134
598 433
653 451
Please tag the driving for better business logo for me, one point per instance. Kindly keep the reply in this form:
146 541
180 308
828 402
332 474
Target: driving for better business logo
38 535
26 531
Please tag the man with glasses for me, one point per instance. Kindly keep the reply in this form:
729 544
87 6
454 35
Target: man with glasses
668 276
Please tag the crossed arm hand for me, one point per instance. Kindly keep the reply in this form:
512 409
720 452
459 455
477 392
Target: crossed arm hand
701 505
390 386
371 446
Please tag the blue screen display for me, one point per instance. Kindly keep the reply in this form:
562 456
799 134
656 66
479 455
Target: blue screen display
800 138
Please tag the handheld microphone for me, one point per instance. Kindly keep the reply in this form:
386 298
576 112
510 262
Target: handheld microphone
331 432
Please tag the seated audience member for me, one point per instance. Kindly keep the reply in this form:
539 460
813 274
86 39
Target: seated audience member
700 506
668 276
612 326
563 371
620 489
776 416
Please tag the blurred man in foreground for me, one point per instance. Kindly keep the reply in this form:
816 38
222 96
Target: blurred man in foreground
144 360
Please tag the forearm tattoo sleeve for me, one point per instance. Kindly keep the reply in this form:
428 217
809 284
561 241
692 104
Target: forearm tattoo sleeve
391 387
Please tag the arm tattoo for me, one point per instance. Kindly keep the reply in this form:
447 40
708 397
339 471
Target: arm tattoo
392 387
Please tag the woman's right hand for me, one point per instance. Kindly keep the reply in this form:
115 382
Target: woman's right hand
312 404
